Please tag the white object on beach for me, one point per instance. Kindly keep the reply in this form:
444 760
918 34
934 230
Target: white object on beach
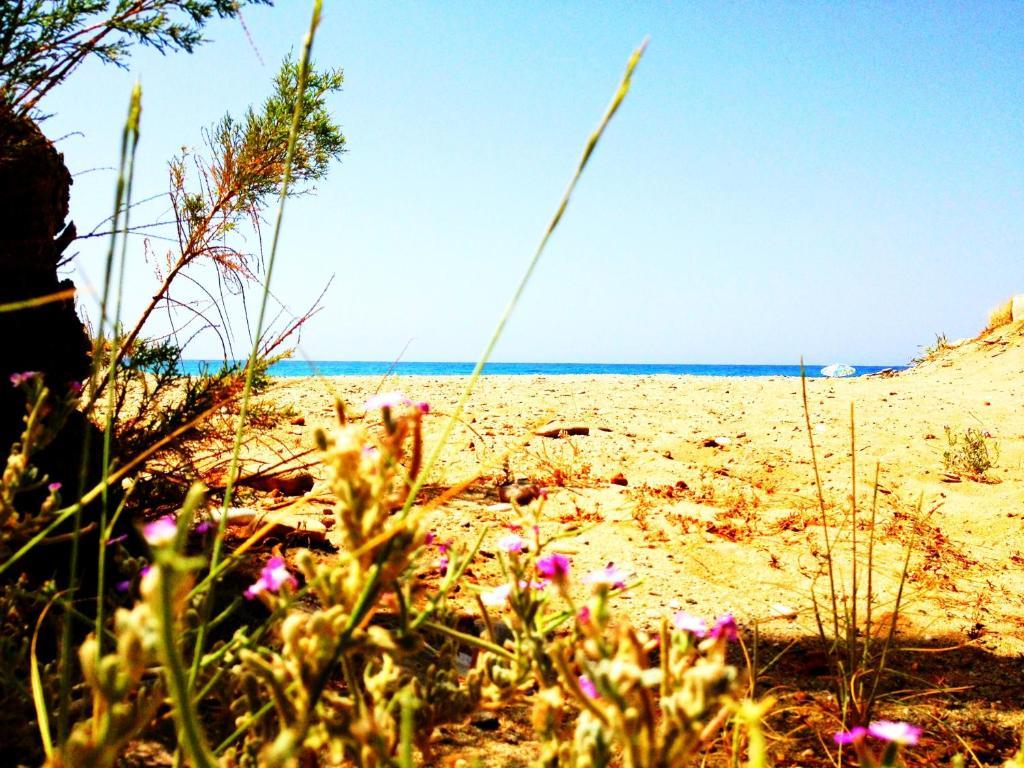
838 370
783 611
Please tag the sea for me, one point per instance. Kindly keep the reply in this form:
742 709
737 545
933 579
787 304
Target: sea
291 368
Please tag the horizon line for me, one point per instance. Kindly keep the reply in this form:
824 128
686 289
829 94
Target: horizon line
532 362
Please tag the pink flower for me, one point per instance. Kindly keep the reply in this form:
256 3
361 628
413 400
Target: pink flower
609 576
160 531
512 543
442 566
273 576
53 487
386 400
850 737
17 379
588 687
583 615
554 567
687 622
725 627
897 733
423 406
429 538
75 387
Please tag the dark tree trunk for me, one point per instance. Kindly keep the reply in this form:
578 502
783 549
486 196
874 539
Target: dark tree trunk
34 193
50 338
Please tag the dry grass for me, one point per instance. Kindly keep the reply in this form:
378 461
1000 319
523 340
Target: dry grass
1000 315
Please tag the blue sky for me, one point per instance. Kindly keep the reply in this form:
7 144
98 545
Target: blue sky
838 181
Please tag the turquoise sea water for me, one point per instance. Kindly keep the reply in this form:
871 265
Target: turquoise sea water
288 368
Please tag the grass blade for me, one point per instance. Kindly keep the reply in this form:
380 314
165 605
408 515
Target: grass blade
132 137
38 301
821 505
38 695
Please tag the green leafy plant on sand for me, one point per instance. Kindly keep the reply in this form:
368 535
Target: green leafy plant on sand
971 454
212 197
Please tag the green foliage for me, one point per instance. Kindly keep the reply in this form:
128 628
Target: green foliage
160 358
245 168
214 194
153 400
970 454
43 41
254 148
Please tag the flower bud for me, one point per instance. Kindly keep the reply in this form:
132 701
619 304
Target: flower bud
87 659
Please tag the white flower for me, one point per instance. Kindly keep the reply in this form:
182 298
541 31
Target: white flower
496 597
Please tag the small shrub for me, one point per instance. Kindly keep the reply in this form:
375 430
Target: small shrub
1000 315
845 613
970 454
934 350
559 464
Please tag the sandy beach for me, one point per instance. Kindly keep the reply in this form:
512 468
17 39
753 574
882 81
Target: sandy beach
704 487
703 490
